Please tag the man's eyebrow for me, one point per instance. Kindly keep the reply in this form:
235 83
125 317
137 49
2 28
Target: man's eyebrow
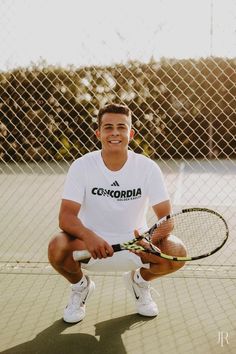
111 125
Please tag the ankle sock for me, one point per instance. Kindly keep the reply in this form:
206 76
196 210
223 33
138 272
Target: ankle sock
82 283
138 277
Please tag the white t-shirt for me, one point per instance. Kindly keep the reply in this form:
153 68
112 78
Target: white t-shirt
114 203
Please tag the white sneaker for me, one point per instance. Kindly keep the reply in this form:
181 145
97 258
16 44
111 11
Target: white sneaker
75 310
141 293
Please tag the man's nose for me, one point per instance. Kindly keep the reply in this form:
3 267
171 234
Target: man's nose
115 131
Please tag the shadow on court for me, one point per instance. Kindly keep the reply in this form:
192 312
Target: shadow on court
53 341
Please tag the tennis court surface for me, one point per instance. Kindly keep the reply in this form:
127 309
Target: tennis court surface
197 304
196 315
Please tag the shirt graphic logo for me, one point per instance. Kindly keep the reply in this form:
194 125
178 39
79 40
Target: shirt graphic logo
119 195
116 184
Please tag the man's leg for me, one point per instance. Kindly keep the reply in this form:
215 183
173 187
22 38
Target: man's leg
160 266
60 256
138 282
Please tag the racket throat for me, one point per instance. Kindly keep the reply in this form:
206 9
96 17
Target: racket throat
118 247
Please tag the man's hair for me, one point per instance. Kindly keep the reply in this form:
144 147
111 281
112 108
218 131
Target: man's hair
113 108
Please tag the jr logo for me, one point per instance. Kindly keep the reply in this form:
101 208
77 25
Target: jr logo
223 338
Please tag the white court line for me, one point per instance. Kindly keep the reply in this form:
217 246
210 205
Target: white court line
179 185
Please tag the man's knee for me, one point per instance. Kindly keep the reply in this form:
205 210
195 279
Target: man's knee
175 265
165 265
174 247
57 249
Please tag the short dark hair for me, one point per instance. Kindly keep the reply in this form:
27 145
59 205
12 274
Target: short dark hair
113 108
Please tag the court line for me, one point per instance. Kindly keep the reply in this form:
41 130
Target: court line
179 185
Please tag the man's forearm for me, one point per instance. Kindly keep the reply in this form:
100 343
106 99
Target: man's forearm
72 225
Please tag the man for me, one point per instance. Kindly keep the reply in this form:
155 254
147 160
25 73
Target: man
106 197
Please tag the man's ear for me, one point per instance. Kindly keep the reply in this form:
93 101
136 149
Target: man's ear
97 133
131 134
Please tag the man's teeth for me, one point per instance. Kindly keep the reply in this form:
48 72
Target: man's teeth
114 141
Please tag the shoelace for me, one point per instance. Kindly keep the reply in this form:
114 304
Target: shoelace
147 298
75 299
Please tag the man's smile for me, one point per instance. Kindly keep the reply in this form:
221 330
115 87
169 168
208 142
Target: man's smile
114 141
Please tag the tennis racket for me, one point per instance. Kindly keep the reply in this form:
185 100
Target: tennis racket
203 232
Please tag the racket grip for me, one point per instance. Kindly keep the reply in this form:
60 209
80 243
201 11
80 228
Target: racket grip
81 256
84 255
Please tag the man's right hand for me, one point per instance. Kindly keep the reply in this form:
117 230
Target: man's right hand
97 246
71 224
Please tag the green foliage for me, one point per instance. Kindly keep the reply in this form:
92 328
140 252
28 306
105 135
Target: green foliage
47 113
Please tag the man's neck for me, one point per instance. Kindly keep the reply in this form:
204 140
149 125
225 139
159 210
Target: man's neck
115 161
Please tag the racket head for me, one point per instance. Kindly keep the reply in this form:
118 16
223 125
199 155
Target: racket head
202 231
197 232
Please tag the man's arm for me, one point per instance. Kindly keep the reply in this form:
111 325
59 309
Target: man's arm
72 225
162 209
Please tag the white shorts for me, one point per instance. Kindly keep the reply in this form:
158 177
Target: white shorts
119 262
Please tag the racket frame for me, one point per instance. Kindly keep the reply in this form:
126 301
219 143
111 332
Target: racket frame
84 256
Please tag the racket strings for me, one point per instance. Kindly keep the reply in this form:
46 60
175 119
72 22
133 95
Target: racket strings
200 232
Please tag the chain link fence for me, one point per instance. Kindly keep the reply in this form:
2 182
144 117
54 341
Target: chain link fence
184 118
181 109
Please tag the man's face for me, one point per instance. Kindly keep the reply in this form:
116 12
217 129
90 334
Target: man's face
115 132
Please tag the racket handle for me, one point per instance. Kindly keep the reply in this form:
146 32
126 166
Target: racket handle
84 255
81 256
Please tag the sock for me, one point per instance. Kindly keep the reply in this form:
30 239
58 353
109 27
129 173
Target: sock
138 277
82 283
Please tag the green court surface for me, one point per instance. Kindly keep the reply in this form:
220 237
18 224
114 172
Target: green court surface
197 315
